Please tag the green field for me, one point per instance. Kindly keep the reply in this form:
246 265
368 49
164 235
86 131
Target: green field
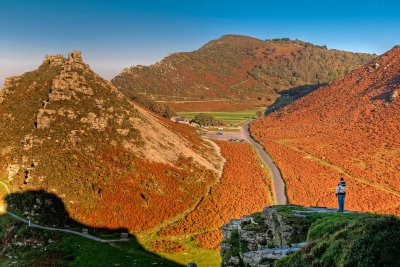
230 118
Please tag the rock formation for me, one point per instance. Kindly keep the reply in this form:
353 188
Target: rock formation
262 238
310 236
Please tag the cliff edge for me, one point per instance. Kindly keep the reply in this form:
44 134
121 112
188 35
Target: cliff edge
311 236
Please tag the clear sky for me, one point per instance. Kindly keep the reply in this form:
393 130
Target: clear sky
118 33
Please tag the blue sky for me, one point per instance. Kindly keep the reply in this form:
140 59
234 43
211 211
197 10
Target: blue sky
118 33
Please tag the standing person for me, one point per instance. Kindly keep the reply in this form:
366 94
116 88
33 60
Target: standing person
341 193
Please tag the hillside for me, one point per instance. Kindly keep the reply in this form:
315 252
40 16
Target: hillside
67 131
240 72
111 164
349 128
311 236
21 245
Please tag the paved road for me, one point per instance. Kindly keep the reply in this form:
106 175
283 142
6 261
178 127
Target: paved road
277 181
58 229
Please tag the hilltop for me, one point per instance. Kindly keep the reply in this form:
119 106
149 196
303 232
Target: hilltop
66 130
240 71
349 128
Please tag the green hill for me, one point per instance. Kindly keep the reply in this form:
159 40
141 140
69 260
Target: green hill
238 68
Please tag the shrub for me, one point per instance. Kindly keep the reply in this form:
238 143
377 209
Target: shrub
207 120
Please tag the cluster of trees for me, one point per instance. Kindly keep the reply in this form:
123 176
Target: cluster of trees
157 107
204 119
296 41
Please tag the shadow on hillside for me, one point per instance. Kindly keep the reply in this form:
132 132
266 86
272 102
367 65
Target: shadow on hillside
46 209
383 97
290 95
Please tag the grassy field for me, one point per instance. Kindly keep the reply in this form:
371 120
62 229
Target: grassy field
193 253
230 118
349 240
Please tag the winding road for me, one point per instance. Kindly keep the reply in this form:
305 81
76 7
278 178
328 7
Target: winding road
278 185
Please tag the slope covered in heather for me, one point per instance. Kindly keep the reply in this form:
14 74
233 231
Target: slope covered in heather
239 71
349 128
67 131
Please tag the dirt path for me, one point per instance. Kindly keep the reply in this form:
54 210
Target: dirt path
6 187
33 225
194 206
277 181
94 238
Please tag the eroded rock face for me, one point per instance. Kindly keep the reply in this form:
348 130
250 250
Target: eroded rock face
54 60
265 237
70 83
75 56
12 170
43 118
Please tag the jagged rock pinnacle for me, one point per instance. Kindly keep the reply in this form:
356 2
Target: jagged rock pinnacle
53 60
58 59
75 56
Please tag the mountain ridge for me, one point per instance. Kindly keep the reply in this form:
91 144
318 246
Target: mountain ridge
238 68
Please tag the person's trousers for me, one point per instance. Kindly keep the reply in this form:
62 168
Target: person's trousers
341 202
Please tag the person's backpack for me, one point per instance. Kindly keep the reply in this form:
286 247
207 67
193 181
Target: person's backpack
341 189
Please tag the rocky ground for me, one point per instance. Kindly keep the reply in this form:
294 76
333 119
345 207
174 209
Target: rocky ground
267 238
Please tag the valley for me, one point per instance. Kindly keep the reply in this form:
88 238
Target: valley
122 156
111 164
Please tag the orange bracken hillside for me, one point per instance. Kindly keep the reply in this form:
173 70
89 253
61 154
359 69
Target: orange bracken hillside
240 72
114 164
350 128
244 188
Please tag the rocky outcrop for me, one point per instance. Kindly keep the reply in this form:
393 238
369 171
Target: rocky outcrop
8 83
54 60
58 59
70 83
75 56
394 95
43 118
262 238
